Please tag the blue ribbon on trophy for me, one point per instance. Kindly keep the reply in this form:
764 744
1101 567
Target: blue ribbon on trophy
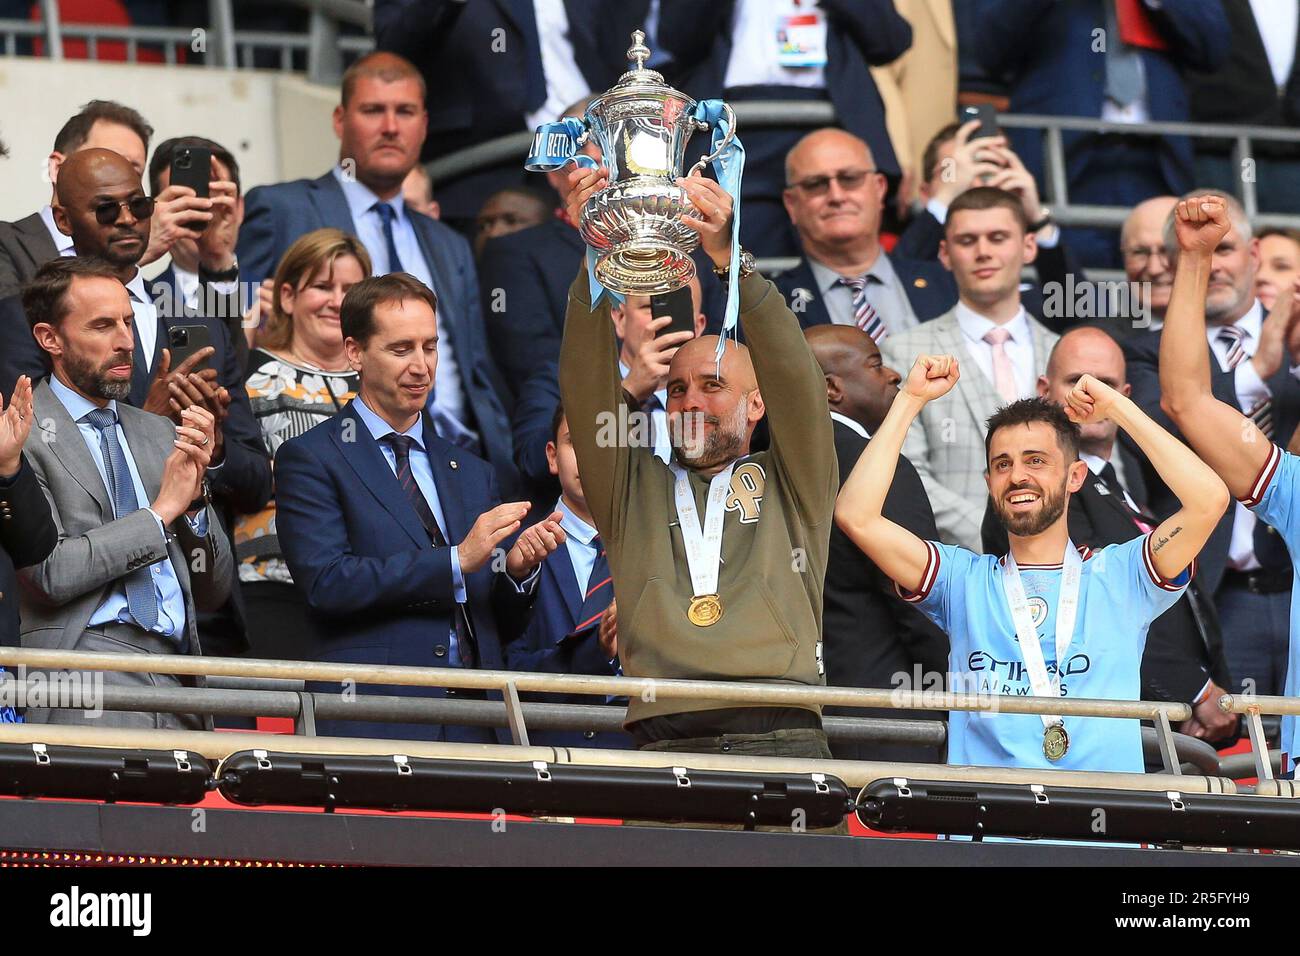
555 145
729 167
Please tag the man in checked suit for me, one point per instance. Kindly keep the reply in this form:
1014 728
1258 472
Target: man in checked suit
1244 565
140 550
573 628
1003 349
393 534
381 122
1183 659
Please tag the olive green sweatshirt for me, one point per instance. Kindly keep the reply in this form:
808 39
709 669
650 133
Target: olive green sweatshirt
777 525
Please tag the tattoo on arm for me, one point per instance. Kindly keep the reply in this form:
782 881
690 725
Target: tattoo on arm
1162 541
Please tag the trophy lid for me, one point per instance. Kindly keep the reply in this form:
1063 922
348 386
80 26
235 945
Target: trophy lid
637 54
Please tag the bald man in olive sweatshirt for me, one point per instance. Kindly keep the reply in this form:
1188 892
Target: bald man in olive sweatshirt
761 621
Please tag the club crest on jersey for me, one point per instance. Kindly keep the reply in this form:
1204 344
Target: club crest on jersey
1037 610
748 481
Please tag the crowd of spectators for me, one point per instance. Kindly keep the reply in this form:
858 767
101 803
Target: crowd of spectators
369 449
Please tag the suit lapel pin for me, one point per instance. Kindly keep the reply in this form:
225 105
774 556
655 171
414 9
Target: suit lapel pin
453 463
920 282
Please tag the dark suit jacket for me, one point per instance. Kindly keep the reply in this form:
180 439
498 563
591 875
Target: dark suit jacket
870 634
1242 90
525 278
276 216
25 246
1142 352
538 400
860 34
1046 49
1184 645
377 591
473 61
27 536
541 650
930 290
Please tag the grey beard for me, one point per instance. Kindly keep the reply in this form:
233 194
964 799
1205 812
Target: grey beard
723 445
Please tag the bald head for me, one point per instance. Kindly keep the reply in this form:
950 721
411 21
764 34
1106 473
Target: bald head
1086 351
712 406
1147 218
700 356
95 183
858 383
818 144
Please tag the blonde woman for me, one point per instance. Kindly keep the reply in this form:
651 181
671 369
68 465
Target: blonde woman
298 376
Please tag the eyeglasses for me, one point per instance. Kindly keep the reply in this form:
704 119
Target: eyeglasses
818 185
140 207
1140 256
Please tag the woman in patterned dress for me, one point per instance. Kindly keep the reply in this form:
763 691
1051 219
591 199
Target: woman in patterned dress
298 376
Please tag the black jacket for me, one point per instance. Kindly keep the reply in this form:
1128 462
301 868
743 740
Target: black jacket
870 635
27 536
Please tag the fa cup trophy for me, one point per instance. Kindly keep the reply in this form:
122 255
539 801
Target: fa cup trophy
634 225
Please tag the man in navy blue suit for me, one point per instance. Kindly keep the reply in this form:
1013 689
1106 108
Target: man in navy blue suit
733 50
835 196
1117 60
381 122
573 628
395 535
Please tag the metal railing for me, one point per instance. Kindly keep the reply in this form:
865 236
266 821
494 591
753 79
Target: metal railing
239 693
222 46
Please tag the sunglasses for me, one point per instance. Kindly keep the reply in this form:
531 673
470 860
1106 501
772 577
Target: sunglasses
140 207
818 185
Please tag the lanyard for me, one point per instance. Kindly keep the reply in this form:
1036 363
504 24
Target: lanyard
1067 610
703 543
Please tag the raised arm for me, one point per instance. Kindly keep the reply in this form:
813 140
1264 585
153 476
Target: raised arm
1226 439
859 510
1201 495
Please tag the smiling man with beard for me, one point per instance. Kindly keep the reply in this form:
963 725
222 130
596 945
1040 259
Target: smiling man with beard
1047 619
718 558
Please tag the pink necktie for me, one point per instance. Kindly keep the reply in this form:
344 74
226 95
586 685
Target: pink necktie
1004 374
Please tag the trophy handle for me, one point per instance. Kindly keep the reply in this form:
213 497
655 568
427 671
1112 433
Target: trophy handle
726 141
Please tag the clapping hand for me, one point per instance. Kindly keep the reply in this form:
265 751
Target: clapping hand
15 426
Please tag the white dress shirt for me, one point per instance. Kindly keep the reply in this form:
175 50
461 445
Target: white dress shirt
565 84
1020 347
1277 22
449 392
754 56
1251 390
61 242
146 318
1095 465
850 423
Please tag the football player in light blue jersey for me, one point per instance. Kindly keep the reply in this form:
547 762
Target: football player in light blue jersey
1257 472
1105 600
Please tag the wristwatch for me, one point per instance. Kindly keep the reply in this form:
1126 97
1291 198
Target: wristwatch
1045 220
204 498
225 275
746 267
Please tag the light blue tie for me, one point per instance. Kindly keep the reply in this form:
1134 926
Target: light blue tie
141 597
387 213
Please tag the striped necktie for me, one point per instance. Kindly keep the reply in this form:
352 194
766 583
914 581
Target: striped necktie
600 591
1235 339
864 314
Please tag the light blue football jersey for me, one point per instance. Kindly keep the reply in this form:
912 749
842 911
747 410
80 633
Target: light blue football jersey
1120 594
1273 497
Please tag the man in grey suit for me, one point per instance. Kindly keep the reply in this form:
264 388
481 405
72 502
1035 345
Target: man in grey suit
140 550
986 244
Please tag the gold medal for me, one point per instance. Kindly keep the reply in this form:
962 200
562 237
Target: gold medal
1055 741
705 609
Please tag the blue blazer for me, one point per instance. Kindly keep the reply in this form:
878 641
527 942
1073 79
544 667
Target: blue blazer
538 649
376 589
1046 49
930 288
861 34
277 215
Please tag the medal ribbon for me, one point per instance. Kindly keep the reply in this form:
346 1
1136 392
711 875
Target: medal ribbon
703 545
1067 609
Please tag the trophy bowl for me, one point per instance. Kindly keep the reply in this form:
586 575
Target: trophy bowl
634 224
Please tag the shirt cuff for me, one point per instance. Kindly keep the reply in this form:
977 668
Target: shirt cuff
1251 389
938 210
1054 239
162 525
528 583
457 577
1204 692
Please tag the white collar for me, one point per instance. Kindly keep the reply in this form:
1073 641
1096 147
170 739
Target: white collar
574 526
975 326
137 289
850 423
1251 323
1095 463
361 198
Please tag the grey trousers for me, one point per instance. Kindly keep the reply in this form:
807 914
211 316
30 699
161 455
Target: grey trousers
115 639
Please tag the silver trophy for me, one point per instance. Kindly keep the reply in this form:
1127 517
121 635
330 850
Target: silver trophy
635 223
